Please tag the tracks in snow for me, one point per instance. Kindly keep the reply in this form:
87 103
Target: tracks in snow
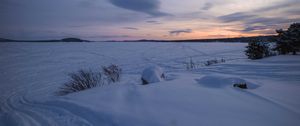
18 110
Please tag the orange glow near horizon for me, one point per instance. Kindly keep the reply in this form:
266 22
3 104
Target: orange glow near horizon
212 33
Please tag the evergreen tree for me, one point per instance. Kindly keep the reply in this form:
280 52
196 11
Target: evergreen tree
289 40
257 50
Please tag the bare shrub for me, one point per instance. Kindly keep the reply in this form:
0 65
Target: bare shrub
215 61
191 65
85 79
112 73
210 62
222 60
81 80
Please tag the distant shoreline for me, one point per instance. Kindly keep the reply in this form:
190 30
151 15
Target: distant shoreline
271 38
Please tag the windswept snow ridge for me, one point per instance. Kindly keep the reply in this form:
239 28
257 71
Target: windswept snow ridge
31 73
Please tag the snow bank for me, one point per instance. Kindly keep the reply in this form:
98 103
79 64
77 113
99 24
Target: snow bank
218 81
32 72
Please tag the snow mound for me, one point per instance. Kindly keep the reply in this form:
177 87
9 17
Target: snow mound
215 81
153 74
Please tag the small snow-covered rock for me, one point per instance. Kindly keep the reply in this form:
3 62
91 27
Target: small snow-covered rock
152 74
241 85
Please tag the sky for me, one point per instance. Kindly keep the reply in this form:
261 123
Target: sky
144 19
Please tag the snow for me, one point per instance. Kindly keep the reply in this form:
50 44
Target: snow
31 73
153 74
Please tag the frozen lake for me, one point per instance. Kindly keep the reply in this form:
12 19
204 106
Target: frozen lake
32 72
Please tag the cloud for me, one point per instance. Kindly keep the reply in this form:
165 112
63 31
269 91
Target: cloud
130 28
26 18
153 22
280 5
293 11
249 19
87 3
178 32
150 7
4 3
258 24
264 25
253 22
271 21
207 6
255 28
238 16
258 29
263 20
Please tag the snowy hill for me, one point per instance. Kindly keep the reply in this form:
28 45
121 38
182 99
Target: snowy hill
31 73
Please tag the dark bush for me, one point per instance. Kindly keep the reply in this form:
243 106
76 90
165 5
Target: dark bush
257 50
83 79
112 72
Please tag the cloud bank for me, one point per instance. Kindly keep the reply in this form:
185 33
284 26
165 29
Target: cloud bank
150 7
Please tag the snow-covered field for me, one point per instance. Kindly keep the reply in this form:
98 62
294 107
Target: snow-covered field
31 73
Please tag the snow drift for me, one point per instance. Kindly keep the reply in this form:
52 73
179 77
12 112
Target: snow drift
32 72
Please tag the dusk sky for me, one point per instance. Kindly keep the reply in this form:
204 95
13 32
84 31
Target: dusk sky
144 19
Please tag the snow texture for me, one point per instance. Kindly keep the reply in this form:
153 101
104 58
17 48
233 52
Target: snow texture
31 73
